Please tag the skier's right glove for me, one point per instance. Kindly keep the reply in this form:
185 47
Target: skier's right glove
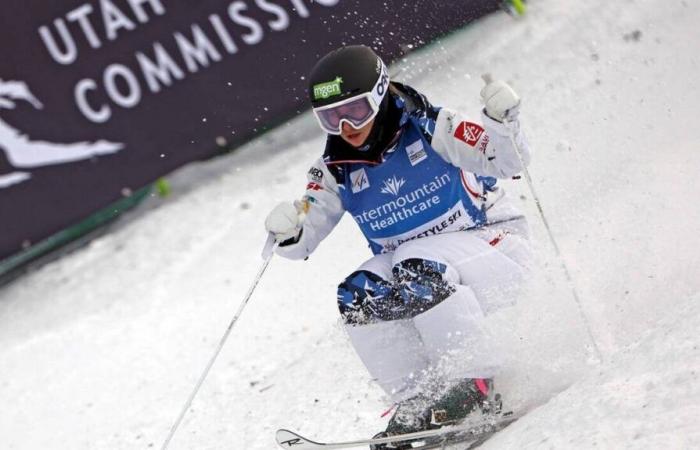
284 222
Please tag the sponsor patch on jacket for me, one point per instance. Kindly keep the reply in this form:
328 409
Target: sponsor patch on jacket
316 174
358 180
314 187
484 144
469 133
416 152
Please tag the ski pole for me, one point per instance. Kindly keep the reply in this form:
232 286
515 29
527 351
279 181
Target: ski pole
569 278
267 254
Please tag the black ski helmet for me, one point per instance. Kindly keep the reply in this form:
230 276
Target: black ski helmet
347 72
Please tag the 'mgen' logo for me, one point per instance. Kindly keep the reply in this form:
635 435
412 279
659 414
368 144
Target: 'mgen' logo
358 181
329 89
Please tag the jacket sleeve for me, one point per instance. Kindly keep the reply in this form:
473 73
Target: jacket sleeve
481 148
322 210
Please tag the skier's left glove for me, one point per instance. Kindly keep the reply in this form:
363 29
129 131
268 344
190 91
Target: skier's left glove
501 102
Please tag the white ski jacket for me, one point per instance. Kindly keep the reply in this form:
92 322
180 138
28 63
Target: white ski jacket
481 150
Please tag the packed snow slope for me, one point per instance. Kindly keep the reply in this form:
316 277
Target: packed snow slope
101 349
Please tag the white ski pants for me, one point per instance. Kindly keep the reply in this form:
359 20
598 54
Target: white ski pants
446 342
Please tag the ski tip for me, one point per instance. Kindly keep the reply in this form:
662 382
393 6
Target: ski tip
289 439
283 436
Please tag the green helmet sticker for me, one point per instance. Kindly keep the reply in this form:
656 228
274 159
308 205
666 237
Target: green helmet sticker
328 89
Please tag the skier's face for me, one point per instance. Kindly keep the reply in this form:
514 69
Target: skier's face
356 136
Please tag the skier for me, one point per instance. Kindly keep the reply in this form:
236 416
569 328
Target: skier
420 182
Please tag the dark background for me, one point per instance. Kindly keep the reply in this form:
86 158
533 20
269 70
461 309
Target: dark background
240 96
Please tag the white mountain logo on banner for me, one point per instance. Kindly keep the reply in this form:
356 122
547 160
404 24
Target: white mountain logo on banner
24 153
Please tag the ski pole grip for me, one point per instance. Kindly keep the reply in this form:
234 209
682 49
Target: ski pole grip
270 246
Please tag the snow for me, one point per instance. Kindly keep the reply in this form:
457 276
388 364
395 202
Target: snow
101 349
646 395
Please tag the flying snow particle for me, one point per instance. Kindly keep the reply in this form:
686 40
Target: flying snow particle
564 146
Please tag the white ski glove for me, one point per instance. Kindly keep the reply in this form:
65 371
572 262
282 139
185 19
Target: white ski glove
284 221
500 100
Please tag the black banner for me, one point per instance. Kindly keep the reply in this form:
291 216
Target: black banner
98 98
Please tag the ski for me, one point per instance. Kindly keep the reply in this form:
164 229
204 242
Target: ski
476 431
487 434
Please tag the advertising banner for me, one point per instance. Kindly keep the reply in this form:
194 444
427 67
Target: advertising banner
98 98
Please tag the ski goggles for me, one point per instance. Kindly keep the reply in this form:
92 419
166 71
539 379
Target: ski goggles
357 111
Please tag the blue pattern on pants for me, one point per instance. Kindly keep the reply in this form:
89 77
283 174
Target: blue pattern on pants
416 286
